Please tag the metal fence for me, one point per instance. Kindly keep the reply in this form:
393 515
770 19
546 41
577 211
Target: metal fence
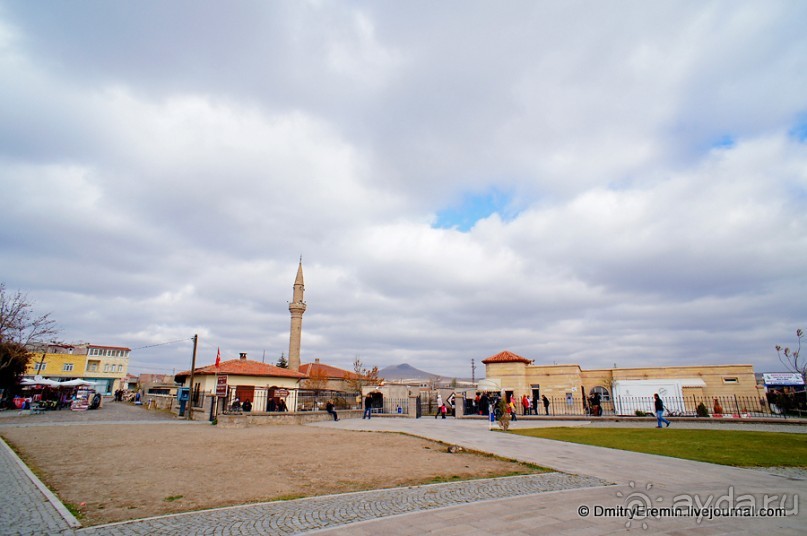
686 406
393 406
309 400
429 406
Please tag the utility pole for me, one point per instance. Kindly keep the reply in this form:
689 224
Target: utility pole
41 365
190 389
473 372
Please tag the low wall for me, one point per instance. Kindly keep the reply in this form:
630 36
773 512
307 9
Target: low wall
165 402
269 419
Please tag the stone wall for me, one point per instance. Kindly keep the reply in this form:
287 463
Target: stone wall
272 419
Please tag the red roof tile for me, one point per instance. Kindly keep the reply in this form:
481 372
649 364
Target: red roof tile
328 371
506 357
246 367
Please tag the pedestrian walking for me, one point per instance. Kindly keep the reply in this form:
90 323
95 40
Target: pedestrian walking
660 411
546 404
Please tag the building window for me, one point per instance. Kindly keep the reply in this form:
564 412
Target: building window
39 366
731 380
92 366
67 367
120 368
605 396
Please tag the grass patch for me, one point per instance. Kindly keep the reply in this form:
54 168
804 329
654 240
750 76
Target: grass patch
75 510
173 498
290 497
724 447
443 479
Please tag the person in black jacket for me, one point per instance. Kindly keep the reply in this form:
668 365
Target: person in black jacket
660 411
368 407
329 409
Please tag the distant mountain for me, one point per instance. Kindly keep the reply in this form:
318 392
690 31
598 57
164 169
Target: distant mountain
405 372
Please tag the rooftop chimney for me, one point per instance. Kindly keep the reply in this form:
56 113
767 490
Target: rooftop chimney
242 355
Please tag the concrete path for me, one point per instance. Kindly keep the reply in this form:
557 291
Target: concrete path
519 505
641 479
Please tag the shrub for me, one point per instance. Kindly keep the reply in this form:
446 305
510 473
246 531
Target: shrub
702 411
504 415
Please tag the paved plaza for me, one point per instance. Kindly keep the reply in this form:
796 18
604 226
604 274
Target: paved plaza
591 494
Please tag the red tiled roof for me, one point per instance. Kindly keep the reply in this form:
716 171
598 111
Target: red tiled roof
506 357
246 367
328 371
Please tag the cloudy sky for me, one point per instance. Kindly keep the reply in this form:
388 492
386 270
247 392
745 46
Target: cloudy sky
578 182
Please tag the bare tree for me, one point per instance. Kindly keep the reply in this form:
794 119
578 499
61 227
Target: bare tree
19 326
362 376
317 381
790 358
18 322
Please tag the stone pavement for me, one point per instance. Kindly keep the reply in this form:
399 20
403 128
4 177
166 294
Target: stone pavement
539 504
641 479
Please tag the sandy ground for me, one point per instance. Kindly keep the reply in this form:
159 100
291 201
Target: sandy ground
128 471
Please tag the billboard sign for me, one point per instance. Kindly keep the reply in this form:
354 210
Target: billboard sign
221 386
783 378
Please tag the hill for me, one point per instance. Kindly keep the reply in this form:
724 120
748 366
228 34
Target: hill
405 372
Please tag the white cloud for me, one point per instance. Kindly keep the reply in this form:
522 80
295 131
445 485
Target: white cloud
161 182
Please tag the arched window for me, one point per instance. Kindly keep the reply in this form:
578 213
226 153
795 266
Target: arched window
605 396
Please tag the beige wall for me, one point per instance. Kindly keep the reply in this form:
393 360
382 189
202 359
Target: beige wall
207 382
557 380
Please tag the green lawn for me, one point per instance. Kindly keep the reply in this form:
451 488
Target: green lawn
726 447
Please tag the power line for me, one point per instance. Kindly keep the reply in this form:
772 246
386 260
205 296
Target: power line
162 343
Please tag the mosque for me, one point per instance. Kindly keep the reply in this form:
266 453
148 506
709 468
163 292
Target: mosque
264 386
620 391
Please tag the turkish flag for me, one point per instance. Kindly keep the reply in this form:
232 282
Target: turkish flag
218 357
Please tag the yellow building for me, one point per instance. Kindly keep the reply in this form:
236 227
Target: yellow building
105 366
56 364
624 391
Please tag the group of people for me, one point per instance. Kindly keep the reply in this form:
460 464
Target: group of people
442 408
529 407
483 403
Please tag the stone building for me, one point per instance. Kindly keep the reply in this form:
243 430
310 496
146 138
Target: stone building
624 390
329 378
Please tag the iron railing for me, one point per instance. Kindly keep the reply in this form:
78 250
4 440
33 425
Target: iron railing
685 406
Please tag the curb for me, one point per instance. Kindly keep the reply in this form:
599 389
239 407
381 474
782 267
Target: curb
69 518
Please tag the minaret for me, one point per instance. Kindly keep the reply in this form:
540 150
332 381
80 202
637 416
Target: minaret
296 308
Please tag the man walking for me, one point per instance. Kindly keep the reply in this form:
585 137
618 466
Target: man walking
660 411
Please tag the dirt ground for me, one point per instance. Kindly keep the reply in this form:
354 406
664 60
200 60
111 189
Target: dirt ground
117 472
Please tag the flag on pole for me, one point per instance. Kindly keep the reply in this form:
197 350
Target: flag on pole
218 357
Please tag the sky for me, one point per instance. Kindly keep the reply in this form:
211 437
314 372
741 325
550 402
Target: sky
599 183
